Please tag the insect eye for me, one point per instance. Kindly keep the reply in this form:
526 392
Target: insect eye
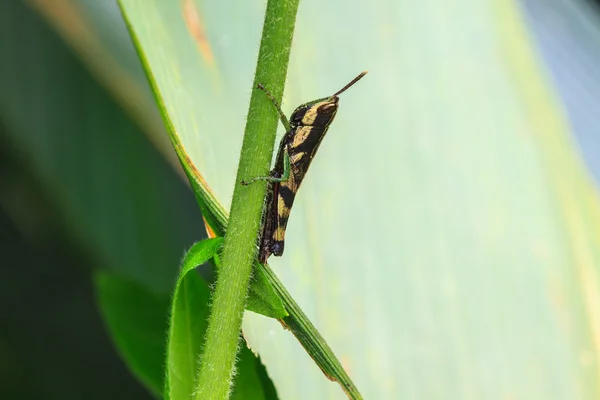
327 109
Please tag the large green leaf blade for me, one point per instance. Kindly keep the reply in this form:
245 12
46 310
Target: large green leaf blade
445 241
202 102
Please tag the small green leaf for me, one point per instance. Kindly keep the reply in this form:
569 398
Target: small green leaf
188 321
188 325
262 298
136 320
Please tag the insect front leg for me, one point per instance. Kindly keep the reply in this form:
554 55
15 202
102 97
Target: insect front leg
282 117
273 177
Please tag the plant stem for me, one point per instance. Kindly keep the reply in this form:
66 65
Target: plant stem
239 251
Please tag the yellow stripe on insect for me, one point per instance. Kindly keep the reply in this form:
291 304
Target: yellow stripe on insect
311 114
282 208
296 157
300 136
279 234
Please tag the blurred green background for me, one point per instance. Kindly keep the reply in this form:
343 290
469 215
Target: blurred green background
88 181
82 188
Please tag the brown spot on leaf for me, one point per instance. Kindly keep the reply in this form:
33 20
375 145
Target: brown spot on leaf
193 21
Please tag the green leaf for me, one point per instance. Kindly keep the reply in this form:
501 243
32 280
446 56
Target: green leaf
186 334
136 319
445 241
262 298
188 321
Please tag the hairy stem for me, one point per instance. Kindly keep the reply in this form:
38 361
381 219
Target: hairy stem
239 250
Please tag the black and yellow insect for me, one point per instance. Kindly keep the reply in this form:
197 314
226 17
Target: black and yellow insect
304 132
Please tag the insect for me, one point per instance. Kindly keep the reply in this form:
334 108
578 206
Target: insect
305 130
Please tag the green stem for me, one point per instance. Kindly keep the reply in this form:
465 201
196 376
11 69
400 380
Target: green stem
239 250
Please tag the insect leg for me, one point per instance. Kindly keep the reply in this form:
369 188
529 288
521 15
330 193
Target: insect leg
269 221
283 178
282 117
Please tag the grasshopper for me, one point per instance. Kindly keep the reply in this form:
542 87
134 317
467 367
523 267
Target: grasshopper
305 130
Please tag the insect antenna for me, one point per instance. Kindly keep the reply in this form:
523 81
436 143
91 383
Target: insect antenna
352 82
